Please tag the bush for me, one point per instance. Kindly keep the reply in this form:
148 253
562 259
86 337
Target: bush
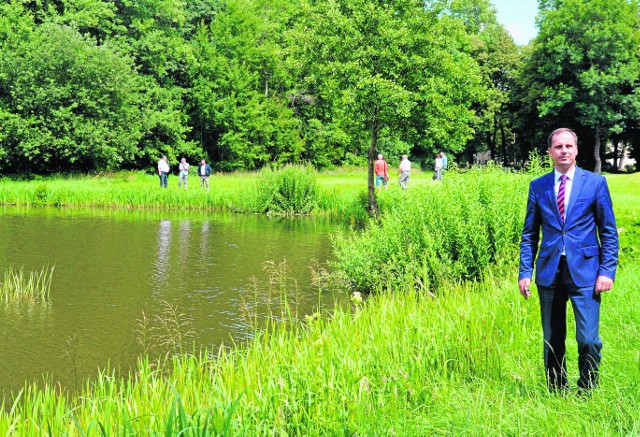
290 190
438 232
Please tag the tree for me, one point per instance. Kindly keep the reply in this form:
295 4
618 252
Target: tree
240 106
395 67
583 70
66 103
497 55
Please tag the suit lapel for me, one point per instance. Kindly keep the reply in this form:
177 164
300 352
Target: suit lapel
549 186
576 187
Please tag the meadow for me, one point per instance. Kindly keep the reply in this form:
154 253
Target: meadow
412 359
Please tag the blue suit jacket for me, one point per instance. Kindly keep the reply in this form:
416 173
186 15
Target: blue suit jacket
589 234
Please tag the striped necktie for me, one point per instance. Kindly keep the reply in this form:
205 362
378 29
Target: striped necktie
560 200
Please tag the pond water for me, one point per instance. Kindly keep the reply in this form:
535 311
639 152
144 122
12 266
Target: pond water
115 269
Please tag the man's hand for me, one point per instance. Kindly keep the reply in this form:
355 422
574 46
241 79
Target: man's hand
603 284
524 284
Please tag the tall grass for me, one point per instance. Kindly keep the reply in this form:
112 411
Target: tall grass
298 189
437 233
17 287
465 362
290 190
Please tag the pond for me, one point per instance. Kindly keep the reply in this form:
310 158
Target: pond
122 279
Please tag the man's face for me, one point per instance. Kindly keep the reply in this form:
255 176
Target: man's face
563 151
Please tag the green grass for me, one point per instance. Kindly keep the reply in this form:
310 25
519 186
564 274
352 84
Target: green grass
16 287
465 362
339 192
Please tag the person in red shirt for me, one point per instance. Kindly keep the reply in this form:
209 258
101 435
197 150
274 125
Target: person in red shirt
381 169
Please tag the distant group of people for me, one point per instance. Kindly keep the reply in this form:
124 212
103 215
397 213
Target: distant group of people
381 170
204 170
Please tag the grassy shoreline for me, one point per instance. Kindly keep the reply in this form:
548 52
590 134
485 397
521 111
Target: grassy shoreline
340 193
467 361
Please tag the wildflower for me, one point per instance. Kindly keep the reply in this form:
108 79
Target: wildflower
312 318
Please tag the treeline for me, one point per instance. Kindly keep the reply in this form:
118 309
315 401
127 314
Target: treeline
89 85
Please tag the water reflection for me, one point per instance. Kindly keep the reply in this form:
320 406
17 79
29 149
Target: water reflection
161 271
111 266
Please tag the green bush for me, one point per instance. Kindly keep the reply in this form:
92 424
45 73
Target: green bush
290 190
40 195
438 232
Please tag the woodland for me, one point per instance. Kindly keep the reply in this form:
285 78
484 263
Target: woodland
97 85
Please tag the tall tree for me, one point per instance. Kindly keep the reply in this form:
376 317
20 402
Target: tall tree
583 69
395 67
241 110
65 103
498 57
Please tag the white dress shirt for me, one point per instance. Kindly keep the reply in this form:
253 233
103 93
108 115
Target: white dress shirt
567 189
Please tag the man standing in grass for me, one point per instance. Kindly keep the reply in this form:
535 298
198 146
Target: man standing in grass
445 163
405 171
163 171
381 170
577 260
204 171
184 172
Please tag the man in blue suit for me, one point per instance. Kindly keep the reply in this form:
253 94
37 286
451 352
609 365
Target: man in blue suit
577 258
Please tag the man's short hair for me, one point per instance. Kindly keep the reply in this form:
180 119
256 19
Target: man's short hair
559 131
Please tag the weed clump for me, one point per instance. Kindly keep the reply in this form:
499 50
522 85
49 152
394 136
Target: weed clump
290 190
442 233
16 287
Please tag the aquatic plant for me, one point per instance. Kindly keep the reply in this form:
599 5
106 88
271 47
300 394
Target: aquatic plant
17 287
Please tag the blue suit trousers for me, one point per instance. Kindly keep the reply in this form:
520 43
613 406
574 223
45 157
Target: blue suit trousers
586 310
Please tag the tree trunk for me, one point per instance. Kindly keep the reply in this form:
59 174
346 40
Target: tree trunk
616 147
503 138
596 151
373 203
491 144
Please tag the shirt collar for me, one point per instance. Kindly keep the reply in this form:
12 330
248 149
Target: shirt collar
570 174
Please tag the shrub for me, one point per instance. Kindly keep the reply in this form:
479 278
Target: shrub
290 190
438 232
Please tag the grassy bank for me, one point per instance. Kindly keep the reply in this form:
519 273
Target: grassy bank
465 361
340 192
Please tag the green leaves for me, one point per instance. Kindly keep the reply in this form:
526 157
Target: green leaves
583 68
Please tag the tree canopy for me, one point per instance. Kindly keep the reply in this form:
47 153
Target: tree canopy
89 85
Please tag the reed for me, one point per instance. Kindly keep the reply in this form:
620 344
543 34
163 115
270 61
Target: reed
18 287
436 233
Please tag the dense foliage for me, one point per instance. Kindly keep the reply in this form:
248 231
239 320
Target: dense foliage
438 233
90 85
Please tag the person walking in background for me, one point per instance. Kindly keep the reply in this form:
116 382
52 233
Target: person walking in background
163 171
438 168
405 170
445 163
184 172
381 170
577 259
204 171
